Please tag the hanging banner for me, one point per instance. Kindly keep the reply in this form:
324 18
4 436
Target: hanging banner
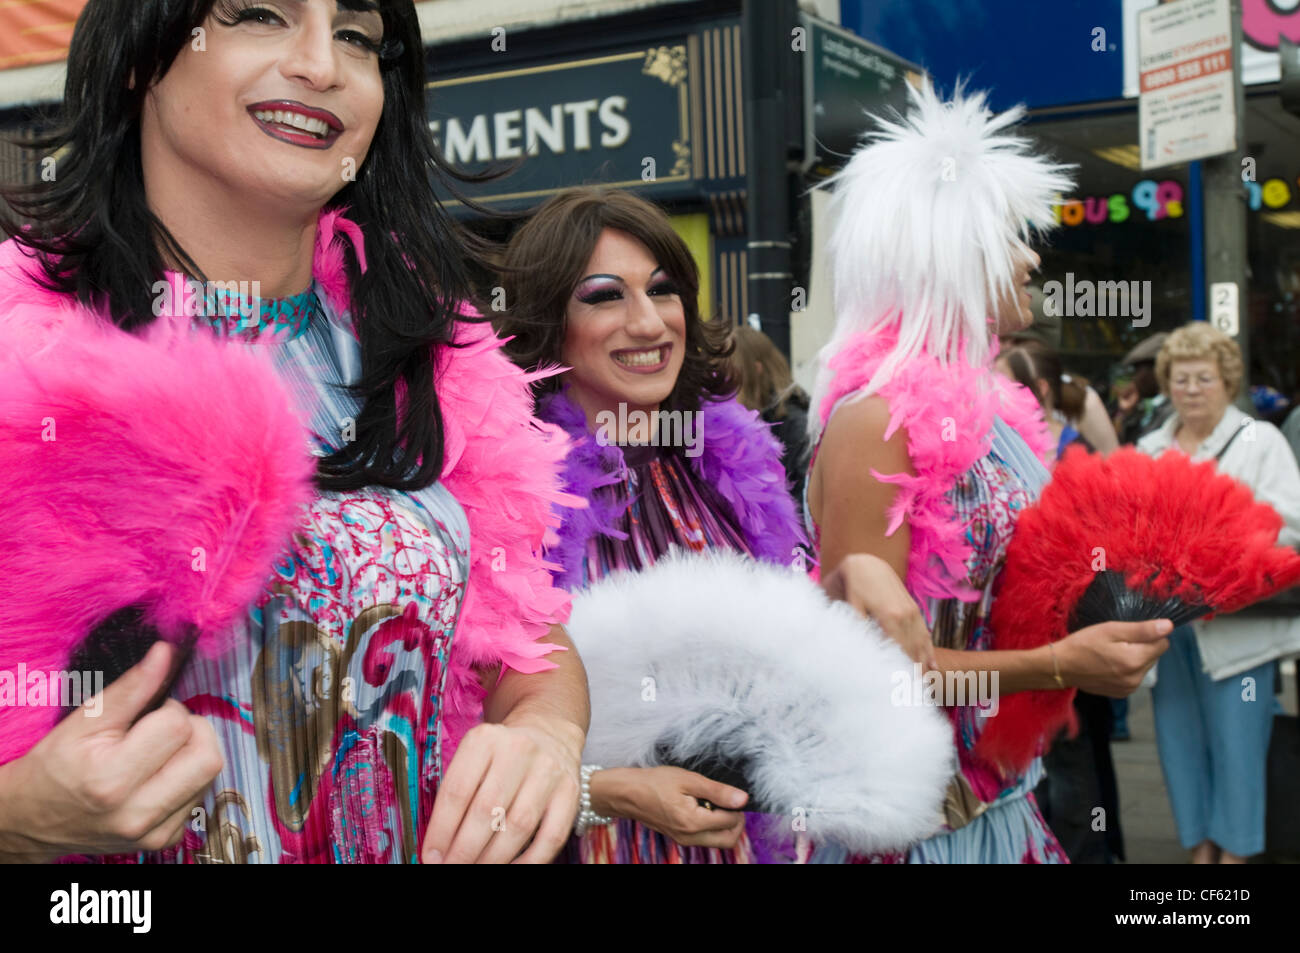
36 31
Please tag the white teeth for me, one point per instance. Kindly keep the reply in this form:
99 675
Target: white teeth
641 358
283 117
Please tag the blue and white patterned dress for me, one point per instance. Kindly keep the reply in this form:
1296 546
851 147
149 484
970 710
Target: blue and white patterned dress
328 707
1003 824
988 818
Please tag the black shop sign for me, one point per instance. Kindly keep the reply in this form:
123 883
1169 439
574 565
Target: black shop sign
845 77
620 119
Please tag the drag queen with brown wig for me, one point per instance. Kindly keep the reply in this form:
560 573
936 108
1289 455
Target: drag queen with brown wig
925 457
259 173
599 282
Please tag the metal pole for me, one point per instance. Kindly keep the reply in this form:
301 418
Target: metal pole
768 62
1224 198
1196 238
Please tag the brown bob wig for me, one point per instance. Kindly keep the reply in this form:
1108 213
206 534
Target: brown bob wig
548 256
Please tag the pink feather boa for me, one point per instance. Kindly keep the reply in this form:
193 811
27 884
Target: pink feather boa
948 411
502 465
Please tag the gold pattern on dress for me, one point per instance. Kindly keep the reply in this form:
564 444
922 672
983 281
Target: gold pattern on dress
954 628
226 843
295 731
954 624
961 804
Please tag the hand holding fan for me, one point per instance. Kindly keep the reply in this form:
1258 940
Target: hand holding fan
1125 537
149 484
745 672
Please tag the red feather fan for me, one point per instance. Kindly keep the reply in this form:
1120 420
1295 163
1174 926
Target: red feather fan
1124 537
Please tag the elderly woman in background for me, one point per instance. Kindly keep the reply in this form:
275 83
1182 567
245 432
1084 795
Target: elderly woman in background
1213 695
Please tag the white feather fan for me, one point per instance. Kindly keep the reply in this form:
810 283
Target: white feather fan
717 654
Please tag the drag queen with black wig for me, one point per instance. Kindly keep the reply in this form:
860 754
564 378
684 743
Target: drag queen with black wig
687 561
924 456
236 319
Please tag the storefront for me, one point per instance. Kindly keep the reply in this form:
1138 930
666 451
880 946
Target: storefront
1073 63
1145 227
646 97
1120 225
660 113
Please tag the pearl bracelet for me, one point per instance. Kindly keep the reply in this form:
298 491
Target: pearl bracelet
587 818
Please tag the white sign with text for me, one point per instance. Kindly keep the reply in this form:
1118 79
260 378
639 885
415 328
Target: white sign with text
1263 25
1224 313
1186 104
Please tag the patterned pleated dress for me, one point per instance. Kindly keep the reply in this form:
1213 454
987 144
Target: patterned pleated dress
327 708
988 818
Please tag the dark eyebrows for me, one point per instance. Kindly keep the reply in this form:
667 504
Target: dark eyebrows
361 12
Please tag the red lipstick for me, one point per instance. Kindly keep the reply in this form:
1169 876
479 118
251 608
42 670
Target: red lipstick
328 127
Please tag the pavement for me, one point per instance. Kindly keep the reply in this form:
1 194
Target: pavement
1150 836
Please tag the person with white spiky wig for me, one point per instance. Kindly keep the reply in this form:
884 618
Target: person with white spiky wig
924 457
932 222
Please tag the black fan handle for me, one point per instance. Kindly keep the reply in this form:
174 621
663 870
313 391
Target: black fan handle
121 642
718 767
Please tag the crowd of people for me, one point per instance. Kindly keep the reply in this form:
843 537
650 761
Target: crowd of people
404 689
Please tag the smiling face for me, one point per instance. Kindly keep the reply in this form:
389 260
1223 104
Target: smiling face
279 106
625 334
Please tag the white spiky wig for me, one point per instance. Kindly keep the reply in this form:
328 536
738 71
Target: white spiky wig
932 215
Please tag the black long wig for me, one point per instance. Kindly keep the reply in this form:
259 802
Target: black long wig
96 239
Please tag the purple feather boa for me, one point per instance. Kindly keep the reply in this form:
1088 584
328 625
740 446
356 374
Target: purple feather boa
740 459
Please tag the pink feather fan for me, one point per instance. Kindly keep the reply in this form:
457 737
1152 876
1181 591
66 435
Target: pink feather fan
161 474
